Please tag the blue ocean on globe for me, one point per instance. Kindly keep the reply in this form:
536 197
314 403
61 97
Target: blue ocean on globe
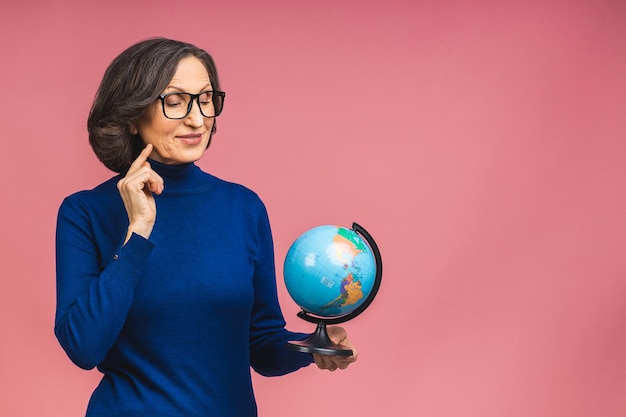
329 271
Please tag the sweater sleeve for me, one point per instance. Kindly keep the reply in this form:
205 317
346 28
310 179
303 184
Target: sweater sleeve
92 301
269 354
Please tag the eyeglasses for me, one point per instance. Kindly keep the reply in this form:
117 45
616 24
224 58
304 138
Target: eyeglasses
178 105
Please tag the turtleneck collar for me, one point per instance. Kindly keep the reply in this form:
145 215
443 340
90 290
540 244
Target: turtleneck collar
181 178
172 172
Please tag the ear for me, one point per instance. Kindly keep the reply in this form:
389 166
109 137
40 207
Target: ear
133 129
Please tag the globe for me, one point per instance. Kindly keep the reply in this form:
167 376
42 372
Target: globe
329 271
333 273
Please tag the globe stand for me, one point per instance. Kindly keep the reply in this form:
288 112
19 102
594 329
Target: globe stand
319 342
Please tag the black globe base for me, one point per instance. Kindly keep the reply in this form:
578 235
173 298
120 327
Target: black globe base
320 343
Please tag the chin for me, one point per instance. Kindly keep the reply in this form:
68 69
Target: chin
192 155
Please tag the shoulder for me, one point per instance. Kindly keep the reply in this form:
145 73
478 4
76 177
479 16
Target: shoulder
238 191
103 195
239 201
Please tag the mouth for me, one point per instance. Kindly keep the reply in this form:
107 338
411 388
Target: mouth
192 139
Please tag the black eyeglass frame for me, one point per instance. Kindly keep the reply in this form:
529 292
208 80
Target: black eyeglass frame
196 98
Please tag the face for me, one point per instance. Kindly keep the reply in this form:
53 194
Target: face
178 141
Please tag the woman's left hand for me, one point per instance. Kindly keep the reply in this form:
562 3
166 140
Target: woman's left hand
333 362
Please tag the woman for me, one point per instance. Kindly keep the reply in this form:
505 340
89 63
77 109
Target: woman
165 273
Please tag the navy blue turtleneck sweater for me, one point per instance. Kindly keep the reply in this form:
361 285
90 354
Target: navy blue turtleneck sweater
173 322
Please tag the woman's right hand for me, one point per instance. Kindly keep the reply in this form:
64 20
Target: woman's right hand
136 189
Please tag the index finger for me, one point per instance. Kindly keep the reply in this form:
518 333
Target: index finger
143 157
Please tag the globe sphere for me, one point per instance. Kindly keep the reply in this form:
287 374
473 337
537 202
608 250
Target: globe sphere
329 271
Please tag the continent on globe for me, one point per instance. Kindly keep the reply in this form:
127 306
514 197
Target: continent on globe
351 293
351 240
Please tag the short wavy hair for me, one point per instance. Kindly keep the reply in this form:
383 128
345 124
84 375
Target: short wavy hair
131 83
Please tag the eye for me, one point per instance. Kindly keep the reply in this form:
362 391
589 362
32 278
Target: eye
174 100
206 98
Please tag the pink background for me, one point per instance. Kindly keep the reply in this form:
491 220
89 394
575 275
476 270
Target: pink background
482 143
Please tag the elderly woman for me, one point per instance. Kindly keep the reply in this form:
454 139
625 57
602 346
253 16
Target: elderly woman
165 273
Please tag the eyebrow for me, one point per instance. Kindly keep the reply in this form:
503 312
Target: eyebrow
180 90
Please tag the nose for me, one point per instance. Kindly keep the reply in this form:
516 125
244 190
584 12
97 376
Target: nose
195 118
